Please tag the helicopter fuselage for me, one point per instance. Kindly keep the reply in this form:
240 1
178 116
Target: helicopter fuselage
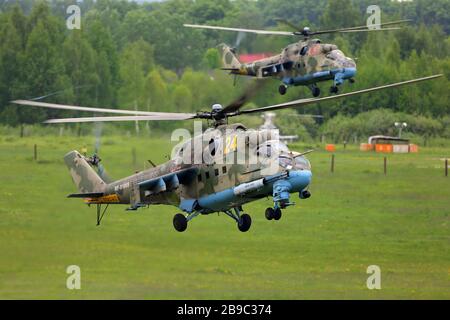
225 179
303 63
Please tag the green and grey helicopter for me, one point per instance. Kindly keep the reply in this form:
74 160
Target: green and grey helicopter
303 63
204 174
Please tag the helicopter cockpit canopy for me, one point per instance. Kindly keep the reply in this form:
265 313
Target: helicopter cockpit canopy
289 162
275 148
338 56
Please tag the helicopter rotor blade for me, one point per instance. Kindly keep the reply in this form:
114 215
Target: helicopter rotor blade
306 115
57 93
363 28
248 94
267 32
303 102
233 109
166 117
367 30
87 109
299 31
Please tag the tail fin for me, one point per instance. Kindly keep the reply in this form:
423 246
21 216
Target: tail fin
229 59
83 175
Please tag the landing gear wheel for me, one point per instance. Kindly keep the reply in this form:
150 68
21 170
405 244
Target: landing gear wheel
282 89
334 89
269 213
316 92
244 222
179 222
277 214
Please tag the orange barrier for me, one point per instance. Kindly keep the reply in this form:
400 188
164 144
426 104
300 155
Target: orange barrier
413 148
366 146
386 148
330 147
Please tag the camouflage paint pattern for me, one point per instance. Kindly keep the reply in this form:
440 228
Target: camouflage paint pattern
83 175
297 59
199 179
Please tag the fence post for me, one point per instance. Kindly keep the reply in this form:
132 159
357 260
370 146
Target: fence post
332 163
385 165
35 152
446 167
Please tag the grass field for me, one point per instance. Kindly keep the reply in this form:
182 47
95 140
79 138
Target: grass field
321 247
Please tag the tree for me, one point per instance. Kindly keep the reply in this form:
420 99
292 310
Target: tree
44 66
182 98
12 47
32 64
211 58
102 42
80 62
155 94
340 14
135 62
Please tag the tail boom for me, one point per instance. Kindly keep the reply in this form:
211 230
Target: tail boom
83 175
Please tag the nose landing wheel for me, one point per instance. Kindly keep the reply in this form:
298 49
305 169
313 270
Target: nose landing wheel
334 89
244 223
269 213
282 89
316 92
180 222
273 214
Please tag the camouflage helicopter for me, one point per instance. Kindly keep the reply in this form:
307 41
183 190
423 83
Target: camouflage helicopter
304 63
212 184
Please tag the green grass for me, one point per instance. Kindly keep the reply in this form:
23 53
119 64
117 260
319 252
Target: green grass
321 247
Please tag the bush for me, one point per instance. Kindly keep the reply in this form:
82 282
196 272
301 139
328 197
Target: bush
381 121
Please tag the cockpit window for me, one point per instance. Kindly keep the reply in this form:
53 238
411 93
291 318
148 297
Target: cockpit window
304 50
298 163
336 55
213 144
302 162
285 162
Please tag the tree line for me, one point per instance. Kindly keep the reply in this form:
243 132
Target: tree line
139 56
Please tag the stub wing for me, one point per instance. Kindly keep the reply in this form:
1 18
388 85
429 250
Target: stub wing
86 195
168 182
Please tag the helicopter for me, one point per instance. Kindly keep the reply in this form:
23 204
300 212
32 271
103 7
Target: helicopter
212 172
304 63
